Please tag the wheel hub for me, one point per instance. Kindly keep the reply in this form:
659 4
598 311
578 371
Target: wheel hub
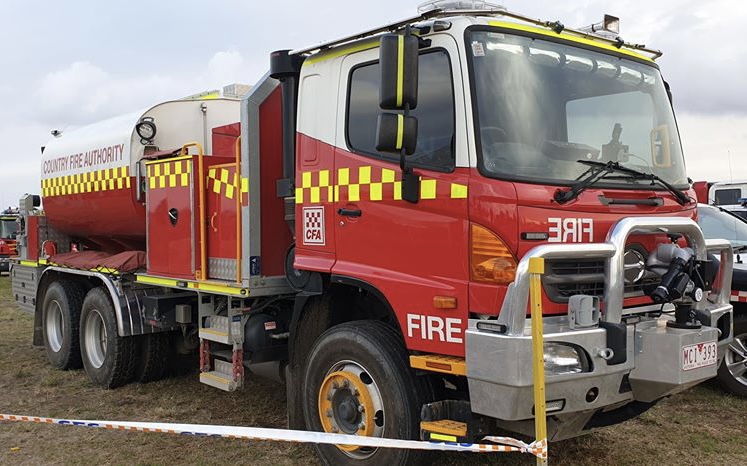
348 405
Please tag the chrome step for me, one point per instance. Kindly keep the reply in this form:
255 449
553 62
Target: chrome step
221 377
221 330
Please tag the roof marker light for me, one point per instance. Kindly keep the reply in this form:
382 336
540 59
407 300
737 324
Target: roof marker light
431 5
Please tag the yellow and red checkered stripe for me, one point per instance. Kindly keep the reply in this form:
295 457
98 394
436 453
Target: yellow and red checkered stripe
169 173
108 179
368 183
222 180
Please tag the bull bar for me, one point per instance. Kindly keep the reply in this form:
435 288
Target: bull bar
499 357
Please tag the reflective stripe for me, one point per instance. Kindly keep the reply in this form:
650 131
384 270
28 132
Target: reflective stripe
107 179
192 285
570 37
368 183
169 173
400 71
443 438
400 131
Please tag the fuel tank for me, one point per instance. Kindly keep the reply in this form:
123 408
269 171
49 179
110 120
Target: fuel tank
93 176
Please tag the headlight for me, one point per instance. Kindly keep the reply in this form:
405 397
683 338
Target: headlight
563 359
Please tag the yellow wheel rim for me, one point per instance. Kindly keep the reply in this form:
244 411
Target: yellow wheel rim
346 405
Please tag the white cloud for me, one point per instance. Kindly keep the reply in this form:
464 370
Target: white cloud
715 146
83 92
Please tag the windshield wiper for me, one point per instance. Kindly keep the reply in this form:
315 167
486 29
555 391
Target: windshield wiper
599 170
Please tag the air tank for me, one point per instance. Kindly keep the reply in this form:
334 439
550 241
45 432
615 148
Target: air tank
90 175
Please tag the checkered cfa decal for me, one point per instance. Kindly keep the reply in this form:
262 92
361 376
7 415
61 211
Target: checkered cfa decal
313 225
88 182
223 181
368 183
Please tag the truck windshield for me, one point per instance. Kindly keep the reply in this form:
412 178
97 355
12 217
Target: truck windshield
8 229
541 106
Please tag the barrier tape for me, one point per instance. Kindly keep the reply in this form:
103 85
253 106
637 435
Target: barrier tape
500 444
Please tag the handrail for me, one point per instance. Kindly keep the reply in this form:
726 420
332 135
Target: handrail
239 196
200 273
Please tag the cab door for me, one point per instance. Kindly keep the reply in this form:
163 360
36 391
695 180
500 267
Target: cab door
415 254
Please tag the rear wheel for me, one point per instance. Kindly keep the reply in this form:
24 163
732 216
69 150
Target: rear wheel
732 374
107 357
358 381
153 350
60 320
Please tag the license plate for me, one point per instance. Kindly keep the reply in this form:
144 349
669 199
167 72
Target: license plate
699 355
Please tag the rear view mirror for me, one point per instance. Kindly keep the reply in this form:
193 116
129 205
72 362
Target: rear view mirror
399 72
396 132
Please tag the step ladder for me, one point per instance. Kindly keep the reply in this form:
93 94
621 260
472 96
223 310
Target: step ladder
221 345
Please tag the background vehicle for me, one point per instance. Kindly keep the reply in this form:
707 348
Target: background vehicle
729 195
8 229
364 233
718 222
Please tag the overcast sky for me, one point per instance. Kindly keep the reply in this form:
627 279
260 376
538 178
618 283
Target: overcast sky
64 64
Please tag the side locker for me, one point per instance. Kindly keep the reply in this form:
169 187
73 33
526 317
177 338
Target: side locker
222 196
171 217
173 214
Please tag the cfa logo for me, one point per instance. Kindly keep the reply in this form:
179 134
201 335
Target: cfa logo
570 230
313 226
434 328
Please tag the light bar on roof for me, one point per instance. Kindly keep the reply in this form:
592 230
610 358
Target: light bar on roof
431 5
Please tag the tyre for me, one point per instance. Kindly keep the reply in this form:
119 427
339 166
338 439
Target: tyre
109 360
60 320
732 374
358 381
153 352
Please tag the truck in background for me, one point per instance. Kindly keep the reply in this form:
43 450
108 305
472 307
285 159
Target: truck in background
8 229
363 229
729 195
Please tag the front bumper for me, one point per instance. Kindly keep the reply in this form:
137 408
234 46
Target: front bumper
499 364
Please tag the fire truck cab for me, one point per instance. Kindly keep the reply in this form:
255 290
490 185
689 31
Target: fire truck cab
8 229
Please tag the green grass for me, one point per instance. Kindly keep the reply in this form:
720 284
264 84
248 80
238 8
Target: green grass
699 426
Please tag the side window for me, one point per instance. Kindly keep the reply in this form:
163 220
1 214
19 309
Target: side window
727 196
435 112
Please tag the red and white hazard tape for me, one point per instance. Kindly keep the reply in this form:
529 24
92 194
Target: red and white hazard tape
500 444
739 296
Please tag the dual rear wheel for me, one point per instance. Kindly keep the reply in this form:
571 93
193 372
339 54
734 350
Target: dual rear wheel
80 330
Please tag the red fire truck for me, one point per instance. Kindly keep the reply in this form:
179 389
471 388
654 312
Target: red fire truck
363 233
8 228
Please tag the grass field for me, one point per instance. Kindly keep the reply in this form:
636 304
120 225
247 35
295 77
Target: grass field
701 426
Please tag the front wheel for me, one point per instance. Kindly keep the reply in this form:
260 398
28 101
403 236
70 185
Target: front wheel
732 374
358 381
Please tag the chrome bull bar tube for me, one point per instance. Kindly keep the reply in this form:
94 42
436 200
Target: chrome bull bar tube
618 236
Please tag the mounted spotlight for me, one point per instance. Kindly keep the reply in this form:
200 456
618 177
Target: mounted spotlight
146 129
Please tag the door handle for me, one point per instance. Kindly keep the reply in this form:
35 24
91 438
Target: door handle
349 212
212 221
